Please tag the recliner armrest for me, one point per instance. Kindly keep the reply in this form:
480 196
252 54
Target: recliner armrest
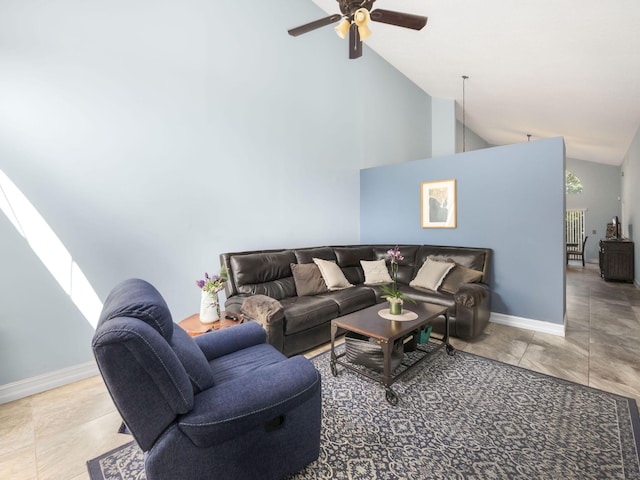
240 405
228 340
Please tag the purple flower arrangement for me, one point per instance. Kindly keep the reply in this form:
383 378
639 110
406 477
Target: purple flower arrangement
395 257
211 285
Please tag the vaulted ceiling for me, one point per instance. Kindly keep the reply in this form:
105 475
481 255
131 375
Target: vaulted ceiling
546 68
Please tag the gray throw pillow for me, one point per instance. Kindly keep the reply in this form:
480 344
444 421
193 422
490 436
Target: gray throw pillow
459 275
308 279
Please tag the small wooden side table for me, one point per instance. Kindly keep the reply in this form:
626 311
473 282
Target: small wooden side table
194 327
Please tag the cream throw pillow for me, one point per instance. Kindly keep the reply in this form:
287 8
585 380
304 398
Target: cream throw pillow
431 274
332 275
375 272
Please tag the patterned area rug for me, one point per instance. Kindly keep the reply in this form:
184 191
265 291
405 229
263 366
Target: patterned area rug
459 417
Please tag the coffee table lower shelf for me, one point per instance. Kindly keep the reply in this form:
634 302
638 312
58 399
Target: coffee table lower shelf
386 340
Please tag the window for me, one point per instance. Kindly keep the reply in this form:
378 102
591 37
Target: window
574 224
572 184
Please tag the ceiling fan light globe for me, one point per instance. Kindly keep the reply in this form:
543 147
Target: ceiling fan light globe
343 28
361 18
364 32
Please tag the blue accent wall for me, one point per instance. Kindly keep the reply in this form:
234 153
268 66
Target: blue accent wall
510 199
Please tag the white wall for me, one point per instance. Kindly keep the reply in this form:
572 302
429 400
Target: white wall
443 137
600 200
154 136
471 140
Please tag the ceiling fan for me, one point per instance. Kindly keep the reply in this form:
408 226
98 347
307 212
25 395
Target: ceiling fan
355 18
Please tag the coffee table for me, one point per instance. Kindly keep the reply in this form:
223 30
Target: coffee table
368 322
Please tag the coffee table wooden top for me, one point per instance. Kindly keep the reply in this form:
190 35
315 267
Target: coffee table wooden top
367 321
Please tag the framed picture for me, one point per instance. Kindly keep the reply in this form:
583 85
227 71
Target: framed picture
439 204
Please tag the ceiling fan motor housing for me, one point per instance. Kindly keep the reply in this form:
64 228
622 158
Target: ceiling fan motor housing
349 7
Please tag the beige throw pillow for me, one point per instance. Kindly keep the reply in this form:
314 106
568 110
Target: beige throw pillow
431 274
459 275
375 272
332 275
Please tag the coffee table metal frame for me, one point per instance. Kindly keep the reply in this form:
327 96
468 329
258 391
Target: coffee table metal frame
367 322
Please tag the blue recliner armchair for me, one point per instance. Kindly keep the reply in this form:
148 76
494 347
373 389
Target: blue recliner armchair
221 405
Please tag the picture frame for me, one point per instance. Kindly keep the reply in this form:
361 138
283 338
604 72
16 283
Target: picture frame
439 204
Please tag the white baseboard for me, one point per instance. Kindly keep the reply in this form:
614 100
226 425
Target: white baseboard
30 386
529 324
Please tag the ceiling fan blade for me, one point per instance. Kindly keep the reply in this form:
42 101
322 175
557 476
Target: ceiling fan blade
355 44
407 20
323 22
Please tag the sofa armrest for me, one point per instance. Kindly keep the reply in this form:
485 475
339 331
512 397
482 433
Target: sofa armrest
471 295
237 406
473 310
229 340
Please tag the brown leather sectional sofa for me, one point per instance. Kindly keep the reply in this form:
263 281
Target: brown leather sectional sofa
262 286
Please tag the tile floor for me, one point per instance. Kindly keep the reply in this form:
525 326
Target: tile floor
51 435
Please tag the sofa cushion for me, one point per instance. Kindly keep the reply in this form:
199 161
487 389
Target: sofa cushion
266 273
375 272
306 255
303 313
192 358
351 256
424 295
240 363
135 298
459 275
431 274
308 279
348 259
332 275
469 257
278 289
352 299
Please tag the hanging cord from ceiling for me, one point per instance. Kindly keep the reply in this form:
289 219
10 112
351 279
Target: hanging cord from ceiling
464 125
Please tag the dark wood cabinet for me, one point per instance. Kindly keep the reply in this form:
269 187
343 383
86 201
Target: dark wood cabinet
616 260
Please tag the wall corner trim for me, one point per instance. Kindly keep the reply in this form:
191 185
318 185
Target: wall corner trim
41 383
528 324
